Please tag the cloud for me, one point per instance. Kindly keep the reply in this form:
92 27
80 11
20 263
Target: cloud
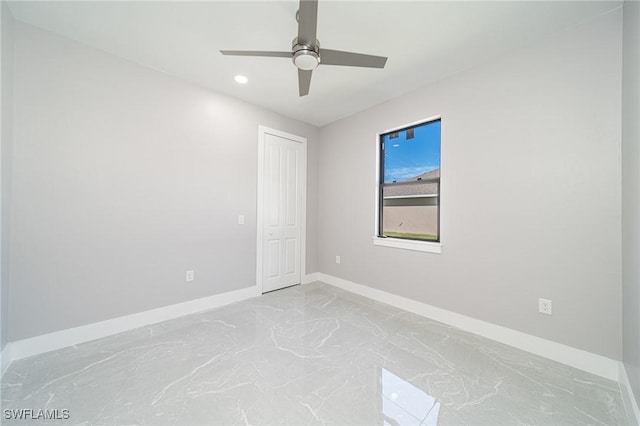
406 173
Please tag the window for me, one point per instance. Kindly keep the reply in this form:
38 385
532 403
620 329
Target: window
409 183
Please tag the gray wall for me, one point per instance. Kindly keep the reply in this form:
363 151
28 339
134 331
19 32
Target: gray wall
6 126
530 191
631 194
124 178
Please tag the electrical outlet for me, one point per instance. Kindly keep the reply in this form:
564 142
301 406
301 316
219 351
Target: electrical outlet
545 306
338 259
189 276
241 219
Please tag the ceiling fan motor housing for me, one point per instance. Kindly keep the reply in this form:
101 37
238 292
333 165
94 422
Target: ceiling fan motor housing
305 57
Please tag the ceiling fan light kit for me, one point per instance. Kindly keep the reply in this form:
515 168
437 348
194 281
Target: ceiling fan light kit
306 53
305 57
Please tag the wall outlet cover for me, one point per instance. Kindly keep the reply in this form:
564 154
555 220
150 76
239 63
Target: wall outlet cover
545 306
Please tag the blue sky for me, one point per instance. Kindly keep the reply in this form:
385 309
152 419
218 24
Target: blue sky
405 159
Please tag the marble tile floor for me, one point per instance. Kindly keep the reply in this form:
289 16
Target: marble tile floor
311 354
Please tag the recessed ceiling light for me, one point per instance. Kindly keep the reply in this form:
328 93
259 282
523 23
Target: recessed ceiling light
241 79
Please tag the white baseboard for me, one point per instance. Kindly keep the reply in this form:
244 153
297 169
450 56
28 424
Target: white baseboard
577 358
5 359
593 363
310 278
73 336
627 394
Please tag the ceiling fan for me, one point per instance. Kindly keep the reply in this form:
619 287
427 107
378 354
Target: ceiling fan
306 52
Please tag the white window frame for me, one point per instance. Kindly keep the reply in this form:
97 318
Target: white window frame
424 246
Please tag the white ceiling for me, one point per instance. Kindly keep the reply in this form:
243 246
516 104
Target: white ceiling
425 42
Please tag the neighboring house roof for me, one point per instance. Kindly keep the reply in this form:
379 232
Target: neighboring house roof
403 188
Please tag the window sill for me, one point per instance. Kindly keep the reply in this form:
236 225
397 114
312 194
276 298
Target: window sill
408 244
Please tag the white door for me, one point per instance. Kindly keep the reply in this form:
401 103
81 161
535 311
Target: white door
283 171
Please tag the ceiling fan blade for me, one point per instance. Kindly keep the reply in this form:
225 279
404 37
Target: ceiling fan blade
307 22
350 59
256 53
304 81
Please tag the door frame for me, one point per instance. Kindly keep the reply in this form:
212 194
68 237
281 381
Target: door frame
262 132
